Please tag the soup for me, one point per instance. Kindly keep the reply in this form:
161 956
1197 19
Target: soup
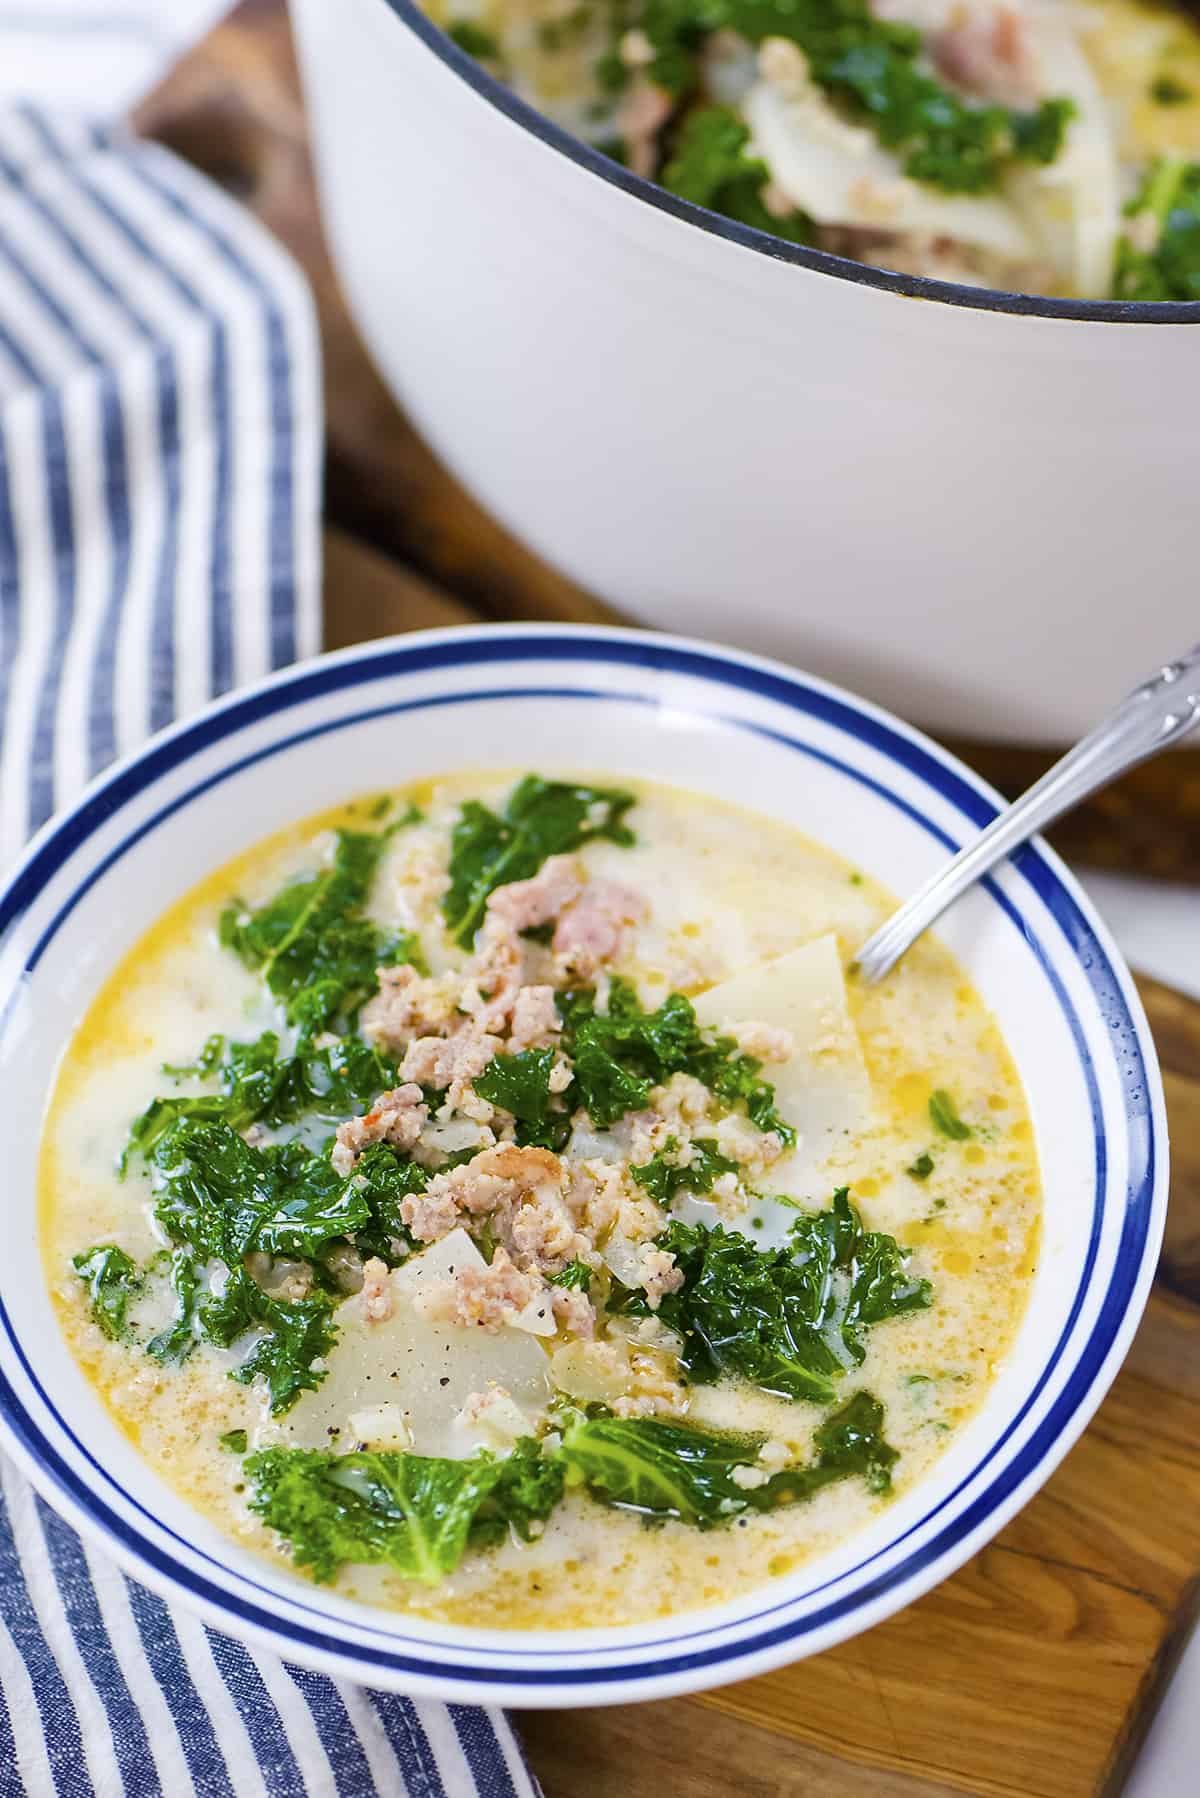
492 1198
1041 146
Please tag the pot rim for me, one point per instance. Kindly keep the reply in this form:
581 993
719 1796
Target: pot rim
821 262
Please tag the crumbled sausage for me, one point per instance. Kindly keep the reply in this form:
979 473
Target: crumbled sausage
397 1117
590 932
450 1061
766 1042
526 904
376 1290
489 1296
535 1019
409 1004
574 1311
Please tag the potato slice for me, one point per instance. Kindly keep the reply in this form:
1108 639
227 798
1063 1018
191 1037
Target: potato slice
427 1369
823 1089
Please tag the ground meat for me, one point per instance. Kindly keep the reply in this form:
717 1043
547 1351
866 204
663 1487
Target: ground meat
450 1061
541 1232
673 1109
396 1117
594 1193
753 1149
641 115
526 1167
658 1275
488 1297
535 1019
988 51
766 1042
490 1184
432 1214
409 1004
654 1393
589 934
574 1311
376 1291
527 904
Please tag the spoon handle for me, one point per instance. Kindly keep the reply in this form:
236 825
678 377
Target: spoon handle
1156 714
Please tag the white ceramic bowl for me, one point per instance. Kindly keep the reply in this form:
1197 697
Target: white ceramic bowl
733 726
975 507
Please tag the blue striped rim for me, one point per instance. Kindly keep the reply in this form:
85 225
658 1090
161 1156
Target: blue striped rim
801 697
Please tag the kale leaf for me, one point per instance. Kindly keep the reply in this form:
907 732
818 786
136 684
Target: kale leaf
943 1114
418 1513
790 1320
316 952
382 1180
521 1084
675 1470
219 1199
259 1085
1168 204
112 1279
575 1276
224 1198
873 67
297 1332
176 1342
664 1177
710 167
618 1055
474 40
542 818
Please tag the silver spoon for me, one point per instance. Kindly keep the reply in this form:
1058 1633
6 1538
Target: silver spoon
1156 714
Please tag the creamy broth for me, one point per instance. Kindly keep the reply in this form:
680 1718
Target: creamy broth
723 890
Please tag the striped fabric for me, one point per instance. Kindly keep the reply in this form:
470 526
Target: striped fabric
159 443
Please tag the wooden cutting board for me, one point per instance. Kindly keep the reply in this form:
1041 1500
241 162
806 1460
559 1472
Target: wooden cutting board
1033 1672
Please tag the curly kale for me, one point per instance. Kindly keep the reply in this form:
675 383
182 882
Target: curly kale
417 1513
258 1085
1160 260
542 818
790 1320
710 167
676 1470
665 1175
316 952
873 68
112 1280
619 1054
420 1514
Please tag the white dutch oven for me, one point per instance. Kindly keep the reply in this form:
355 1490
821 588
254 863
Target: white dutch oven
976 507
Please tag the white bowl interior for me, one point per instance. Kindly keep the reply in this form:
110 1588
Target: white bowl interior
717 738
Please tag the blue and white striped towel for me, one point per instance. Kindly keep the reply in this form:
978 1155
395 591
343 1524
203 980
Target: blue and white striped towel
159 447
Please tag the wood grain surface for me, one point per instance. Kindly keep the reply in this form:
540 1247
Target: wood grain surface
1034 1671
233 107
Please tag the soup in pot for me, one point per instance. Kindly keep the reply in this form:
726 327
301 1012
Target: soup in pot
1039 146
